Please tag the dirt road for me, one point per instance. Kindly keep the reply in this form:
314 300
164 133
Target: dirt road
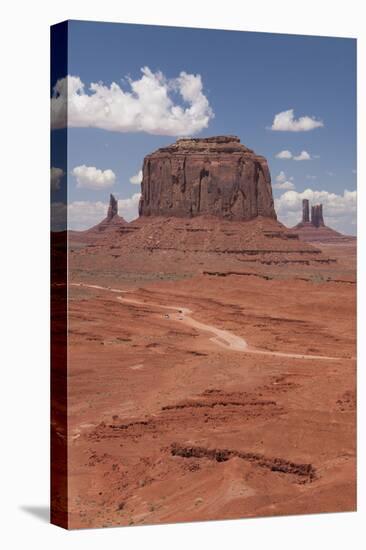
221 337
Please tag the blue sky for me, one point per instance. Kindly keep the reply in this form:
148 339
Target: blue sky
247 78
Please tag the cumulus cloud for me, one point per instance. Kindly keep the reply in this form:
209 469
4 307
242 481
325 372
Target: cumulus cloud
148 106
137 178
286 122
284 185
85 214
339 210
56 176
285 154
129 208
304 155
283 182
281 177
90 177
77 215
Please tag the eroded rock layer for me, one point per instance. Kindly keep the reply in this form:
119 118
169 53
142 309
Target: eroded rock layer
215 176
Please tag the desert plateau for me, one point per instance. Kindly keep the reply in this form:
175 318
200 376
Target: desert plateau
211 359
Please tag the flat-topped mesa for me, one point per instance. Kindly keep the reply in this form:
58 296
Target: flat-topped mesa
215 176
228 144
113 207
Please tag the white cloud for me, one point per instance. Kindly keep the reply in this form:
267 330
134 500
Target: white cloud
304 155
85 214
286 122
137 178
283 182
56 176
285 154
284 185
310 177
281 177
129 208
147 107
90 177
339 210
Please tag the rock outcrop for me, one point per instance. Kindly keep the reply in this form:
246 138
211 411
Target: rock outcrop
305 211
113 207
317 219
216 176
112 220
317 215
315 230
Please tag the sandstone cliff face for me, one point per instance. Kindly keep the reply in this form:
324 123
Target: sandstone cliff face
212 176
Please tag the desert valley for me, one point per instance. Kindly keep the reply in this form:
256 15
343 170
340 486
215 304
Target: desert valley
211 350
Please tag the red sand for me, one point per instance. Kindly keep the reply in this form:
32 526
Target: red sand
167 423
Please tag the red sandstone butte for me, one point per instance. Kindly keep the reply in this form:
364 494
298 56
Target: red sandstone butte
216 176
315 230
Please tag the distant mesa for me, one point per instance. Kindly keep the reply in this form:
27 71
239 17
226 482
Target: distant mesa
314 229
214 176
